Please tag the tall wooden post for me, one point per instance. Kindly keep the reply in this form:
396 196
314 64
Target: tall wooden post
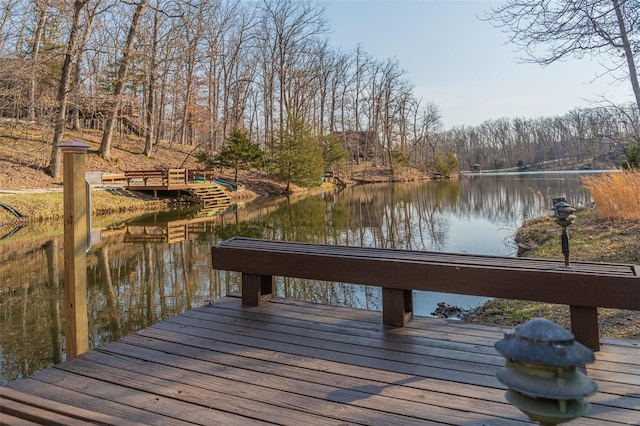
75 244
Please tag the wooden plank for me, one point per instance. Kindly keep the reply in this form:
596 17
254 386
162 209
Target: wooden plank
9 420
341 352
51 388
489 367
409 339
34 402
611 361
230 396
348 363
281 364
370 253
312 369
146 402
366 394
425 256
366 341
492 332
371 320
619 344
113 177
37 415
447 337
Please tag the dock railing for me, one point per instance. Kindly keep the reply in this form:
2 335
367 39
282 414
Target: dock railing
168 178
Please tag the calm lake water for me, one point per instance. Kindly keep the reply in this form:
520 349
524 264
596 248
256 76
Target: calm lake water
146 269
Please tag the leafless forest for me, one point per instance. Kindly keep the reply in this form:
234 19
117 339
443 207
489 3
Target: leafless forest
188 72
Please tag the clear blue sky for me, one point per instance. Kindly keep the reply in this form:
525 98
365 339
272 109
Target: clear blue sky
463 64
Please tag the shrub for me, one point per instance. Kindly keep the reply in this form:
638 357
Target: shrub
616 195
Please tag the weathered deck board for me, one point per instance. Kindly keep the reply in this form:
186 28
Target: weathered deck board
295 363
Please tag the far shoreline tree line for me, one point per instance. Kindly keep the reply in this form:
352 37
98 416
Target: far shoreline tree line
260 82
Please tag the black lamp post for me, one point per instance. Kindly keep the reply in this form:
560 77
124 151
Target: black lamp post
564 218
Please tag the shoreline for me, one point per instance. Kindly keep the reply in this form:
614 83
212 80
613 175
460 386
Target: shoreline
22 207
592 240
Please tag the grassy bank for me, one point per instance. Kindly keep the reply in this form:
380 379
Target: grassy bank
45 210
49 206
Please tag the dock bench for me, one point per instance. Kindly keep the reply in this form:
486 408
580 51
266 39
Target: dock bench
132 176
584 286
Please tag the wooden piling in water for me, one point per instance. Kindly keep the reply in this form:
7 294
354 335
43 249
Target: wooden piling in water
75 243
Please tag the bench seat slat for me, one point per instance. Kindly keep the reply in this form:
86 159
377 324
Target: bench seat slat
428 257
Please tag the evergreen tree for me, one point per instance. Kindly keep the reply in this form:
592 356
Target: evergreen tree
631 156
239 152
446 164
333 153
296 157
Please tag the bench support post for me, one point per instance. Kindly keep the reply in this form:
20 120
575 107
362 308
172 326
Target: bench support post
256 289
397 306
584 326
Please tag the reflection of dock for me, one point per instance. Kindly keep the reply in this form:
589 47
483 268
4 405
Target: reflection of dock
200 186
158 229
295 363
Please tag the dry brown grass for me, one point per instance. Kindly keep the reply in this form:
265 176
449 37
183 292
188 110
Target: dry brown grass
616 195
25 151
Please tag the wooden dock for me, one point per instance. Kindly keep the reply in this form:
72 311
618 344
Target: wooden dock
293 363
196 185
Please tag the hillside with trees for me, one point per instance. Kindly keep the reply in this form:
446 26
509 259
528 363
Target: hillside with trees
197 76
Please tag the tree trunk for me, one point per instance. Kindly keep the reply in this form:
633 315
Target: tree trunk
151 96
77 72
63 91
628 52
35 59
112 113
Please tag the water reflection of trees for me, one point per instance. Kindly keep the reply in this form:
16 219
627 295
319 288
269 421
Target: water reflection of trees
133 285
30 307
500 198
412 216
129 287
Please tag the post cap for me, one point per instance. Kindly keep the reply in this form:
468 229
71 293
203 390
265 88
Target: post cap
74 147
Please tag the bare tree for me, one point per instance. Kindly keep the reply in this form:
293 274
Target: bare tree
430 124
127 51
63 88
238 66
42 13
192 23
550 31
291 24
8 11
91 13
363 65
152 78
